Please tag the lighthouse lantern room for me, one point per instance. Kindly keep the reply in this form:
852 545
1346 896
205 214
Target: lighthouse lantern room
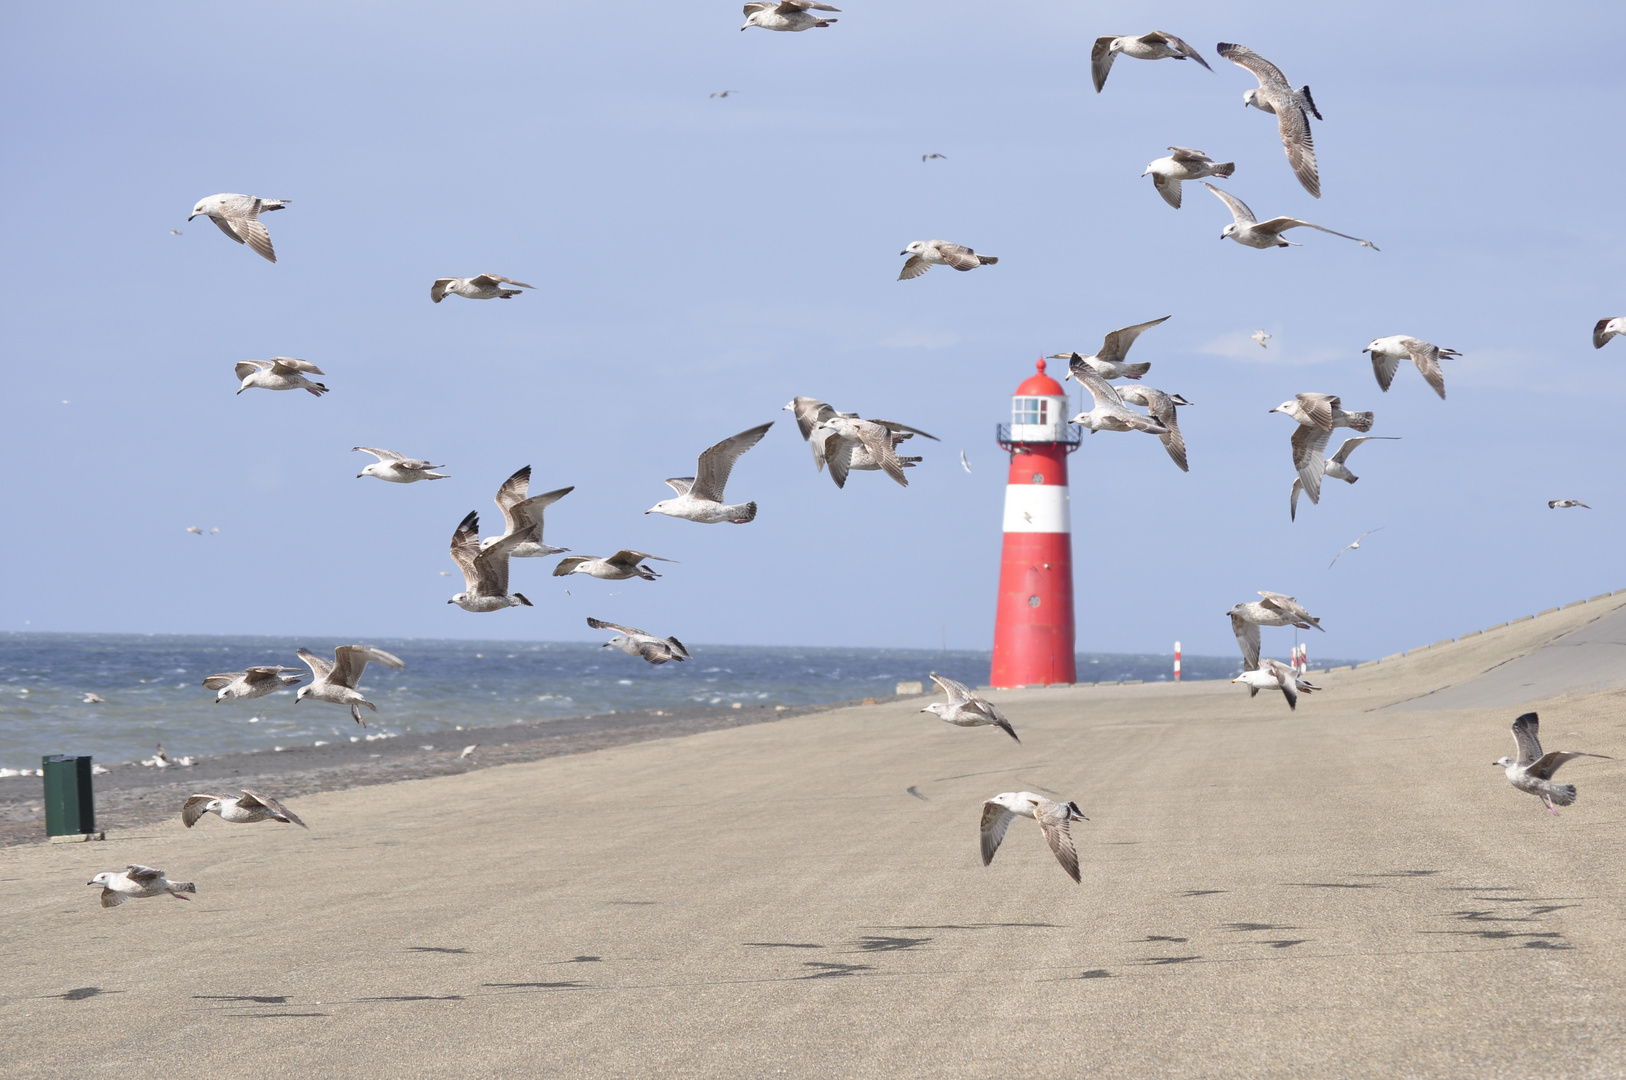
1033 623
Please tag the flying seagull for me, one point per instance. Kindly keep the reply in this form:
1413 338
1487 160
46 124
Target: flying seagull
928 157
1247 230
1533 770
641 643
1054 820
194 530
137 882
522 516
724 93
967 708
1184 164
1163 408
1274 610
479 287
243 809
1353 545
239 218
1110 413
1317 415
1108 361
925 254
1387 352
700 497
397 468
1292 109
1261 337
963 462
1275 675
485 569
815 419
334 681
92 698
279 373
1336 468
622 565
1158 45
789 15
1606 329
254 682
1565 504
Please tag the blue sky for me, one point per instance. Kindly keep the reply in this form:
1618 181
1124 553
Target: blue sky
700 261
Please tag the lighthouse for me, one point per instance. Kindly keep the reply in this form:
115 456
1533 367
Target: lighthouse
1033 623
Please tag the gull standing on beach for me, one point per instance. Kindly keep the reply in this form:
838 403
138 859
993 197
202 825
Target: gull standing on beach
479 287
1110 413
1317 415
279 373
137 882
1336 468
334 681
1184 164
1108 361
1387 352
1353 545
522 516
397 468
1274 610
1247 230
1275 675
1606 329
1163 408
1533 770
1054 820
239 218
485 570
255 682
1292 109
618 567
1158 45
700 497
641 643
244 809
925 254
787 15
967 708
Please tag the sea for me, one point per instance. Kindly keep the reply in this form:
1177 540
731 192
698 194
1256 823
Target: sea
153 693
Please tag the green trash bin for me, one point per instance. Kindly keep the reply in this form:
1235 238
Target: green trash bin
70 806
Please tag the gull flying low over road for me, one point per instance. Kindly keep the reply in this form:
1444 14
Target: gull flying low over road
1353 545
1184 164
1110 413
1292 109
967 708
1387 352
334 681
1163 408
137 882
1606 329
618 567
1054 820
1566 504
239 218
1274 610
479 287
788 15
522 516
397 468
1158 45
485 570
1317 415
1275 675
279 373
1247 230
1533 770
1336 468
244 809
1108 361
700 497
641 643
252 683
1261 337
925 254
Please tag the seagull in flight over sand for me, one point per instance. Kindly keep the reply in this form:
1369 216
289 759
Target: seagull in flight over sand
1353 545
925 254
239 218
1158 45
254 682
1336 468
1274 610
1317 415
1533 770
929 157
137 882
485 569
479 287
641 643
1292 109
1606 329
967 708
334 681
522 516
1387 352
1163 408
1110 413
1054 820
1247 230
789 15
1261 337
1275 675
700 497
622 565
397 468
1566 504
244 809
1184 164
279 373
1108 361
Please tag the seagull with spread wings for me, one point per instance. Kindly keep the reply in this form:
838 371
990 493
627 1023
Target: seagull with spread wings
1184 164
279 373
1054 820
967 708
137 882
925 254
485 569
244 809
1108 361
842 454
334 681
1249 231
1275 675
1353 545
622 565
1163 408
1158 45
1110 413
239 218
1566 504
1275 609
1336 467
479 287
1292 109
791 16
397 468
700 497
522 516
641 643
1532 771
1317 415
255 682
1387 352
1606 329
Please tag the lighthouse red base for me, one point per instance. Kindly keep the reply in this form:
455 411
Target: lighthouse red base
1033 641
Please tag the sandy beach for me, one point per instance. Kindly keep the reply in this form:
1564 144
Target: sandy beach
1346 890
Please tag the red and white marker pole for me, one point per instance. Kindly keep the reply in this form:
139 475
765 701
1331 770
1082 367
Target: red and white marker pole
1176 661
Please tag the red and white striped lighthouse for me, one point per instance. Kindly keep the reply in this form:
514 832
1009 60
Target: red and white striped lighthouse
1033 625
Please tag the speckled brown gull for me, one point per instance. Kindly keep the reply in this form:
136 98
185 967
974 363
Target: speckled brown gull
1054 820
1292 109
1110 413
1532 771
1164 409
485 568
1387 352
1274 610
244 809
967 708
279 373
1336 467
239 218
1248 231
1275 675
1158 45
700 497
137 882
1184 164
622 565
1317 415
791 16
479 287
925 254
522 515
254 682
1109 360
641 643
335 681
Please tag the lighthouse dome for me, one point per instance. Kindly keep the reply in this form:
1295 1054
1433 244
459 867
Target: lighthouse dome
1040 385
1039 409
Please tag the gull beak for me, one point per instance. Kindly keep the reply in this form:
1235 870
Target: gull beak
360 475
192 215
903 252
451 601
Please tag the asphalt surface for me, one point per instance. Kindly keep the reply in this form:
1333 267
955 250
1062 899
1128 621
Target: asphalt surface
1348 890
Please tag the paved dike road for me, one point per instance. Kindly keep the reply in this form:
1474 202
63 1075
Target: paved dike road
1350 890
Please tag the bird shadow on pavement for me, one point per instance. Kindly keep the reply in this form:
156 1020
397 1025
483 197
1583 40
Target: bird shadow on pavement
82 993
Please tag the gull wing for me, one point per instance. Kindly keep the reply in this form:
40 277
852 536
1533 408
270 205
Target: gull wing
680 484
1280 225
381 455
465 546
1320 407
840 459
895 426
1247 636
716 462
1548 763
995 820
491 564
600 624
1349 445
1186 155
438 291
1286 679
878 441
226 227
809 412
1164 411
489 281
287 365
1269 75
959 256
220 682
349 661
1239 209
628 557
790 7
143 875
1116 346
1525 730
278 811
1101 57
958 693
567 565
1102 391
245 368
1293 500
1053 822
320 666
513 492
1168 188
249 231
1384 366
192 810
526 517
913 268
1179 46
1601 333
1427 359
266 671
820 442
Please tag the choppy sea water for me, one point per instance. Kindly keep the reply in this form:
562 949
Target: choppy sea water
151 684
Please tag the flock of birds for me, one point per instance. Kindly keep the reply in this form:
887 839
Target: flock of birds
847 442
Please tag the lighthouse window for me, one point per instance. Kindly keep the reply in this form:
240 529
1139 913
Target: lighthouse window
1033 601
1030 410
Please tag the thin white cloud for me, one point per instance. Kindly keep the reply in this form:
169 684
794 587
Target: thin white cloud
920 339
1241 346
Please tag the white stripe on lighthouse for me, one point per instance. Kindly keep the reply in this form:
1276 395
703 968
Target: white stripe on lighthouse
1037 508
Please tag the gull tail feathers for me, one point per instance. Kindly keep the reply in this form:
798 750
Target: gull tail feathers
176 888
748 513
316 389
521 598
1224 168
1561 794
1360 421
1310 101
